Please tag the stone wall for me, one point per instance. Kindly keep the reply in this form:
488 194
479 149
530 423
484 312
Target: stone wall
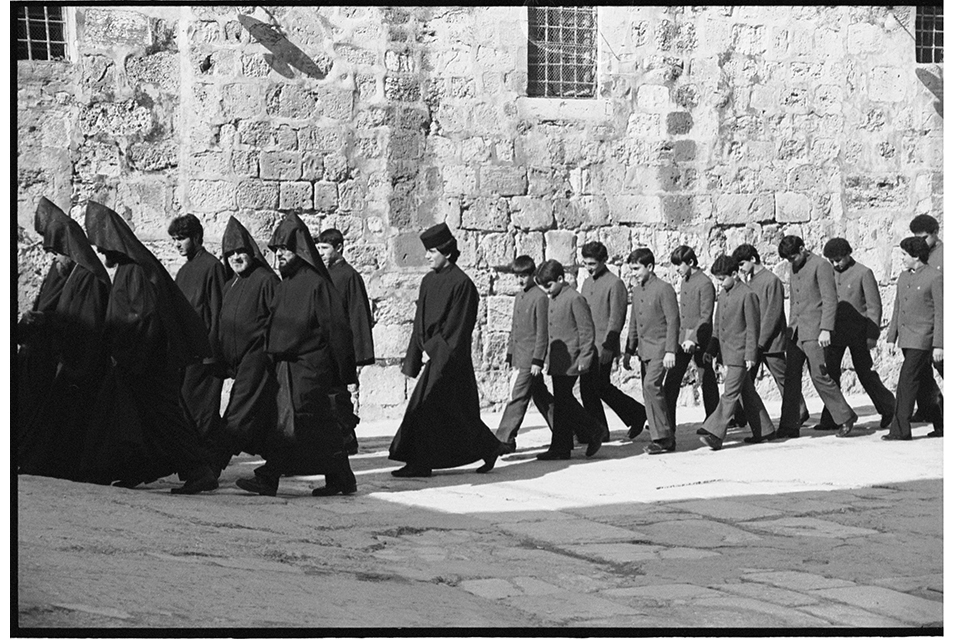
714 126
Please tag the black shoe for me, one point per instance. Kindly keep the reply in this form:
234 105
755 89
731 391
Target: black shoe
126 484
257 485
935 434
890 437
411 472
594 446
634 431
703 432
825 427
206 482
787 433
712 441
804 417
655 448
886 420
491 460
553 455
846 428
332 490
759 439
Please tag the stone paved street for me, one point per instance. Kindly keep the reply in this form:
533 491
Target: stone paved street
816 533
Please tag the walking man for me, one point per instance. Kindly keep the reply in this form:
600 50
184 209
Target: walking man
927 227
606 296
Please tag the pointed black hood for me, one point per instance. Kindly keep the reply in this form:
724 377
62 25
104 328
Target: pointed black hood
236 237
64 235
294 235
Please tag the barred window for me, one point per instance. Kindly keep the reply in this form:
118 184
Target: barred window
40 33
930 34
562 52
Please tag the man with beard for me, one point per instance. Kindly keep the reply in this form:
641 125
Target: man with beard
309 339
201 280
36 357
152 332
244 315
57 432
442 427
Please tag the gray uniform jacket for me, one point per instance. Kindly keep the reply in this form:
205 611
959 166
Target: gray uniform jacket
607 296
654 320
935 258
571 334
737 325
858 304
813 298
773 321
527 345
918 311
697 297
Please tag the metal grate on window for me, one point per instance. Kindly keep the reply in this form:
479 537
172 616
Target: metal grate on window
930 34
40 33
562 52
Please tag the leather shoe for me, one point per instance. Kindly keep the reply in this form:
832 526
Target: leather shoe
787 433
846 428
712 441
491 460
256 485
636 429
411 472
553 455
804 417
594 446
759 439
332 490
890 437
935 434
703 432
655 448
206 482
825 427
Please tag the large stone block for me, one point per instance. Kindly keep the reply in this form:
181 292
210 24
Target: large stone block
735 208
633 209
864 38
889 84
503 180
561 246
325 196
280 165
499 312
459 180
806 177
532 213
530 244
381 387
242 100
297 196
212 195
335 103
258 194
291 101
160 69
408 250
320 139
391 340
485 214
495 250
149 203
153 156
679 210
107 28
792 207
652 98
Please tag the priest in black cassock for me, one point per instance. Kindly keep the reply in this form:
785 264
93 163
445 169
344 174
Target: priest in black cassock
36 357
151 332
354 293
309 339
442 427
50 445
247 297
201 280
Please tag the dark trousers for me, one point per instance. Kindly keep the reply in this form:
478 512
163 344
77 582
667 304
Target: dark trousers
777 366
526 387
708 387
596 388
811 353
662 423
738 387
916 377
924 409
568 413
880 396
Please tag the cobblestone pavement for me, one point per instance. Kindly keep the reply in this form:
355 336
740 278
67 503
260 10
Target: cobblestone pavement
816 533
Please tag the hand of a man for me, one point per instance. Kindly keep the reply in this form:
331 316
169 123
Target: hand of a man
938 354
824 339
606 356
688 346
749 364
626 362
669 359
536 370
425 358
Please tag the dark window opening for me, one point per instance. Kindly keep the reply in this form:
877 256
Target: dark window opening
562 52
40 33
929 34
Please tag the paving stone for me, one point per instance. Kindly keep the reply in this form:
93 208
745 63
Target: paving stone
767 593
931 582
493 589
581 583
616 552
798 580
803 505
663 592
684 553
525 516
888 602
814 527
561 607
726 509
696 533
848 616
770 614
534 586
567 531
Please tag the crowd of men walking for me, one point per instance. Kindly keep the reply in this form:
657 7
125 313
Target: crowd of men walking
119 382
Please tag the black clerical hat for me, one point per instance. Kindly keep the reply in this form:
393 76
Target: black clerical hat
436 236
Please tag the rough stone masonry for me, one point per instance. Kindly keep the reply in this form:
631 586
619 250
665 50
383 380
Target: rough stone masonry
713 126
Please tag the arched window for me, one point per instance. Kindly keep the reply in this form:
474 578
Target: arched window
562 52
41 33
930 33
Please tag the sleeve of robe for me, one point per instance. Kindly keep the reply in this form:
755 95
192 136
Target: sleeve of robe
331 314
137 332
457 328
413 361
361 319
213 287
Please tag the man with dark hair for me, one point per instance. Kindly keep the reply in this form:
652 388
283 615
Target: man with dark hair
813 310
201 279
606 296
569 356
697 297
857 328
354 293
152 332
927 227
526 353
308 337
442 427
51 444
244 316
737 328
917 325
654 338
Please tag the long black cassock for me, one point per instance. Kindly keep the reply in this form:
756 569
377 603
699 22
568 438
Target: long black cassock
152 332
354 293
309 337
247 298
36 357
50 446
442 427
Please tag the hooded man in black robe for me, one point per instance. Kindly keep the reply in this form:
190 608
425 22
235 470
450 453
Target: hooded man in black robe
36 357
201 280
350 286
247 297
309 339
56 434
442 427
152 332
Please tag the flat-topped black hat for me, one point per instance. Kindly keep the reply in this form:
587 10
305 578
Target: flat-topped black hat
436 236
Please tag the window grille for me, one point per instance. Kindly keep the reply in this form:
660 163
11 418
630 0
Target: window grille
562 52
40 33
930 34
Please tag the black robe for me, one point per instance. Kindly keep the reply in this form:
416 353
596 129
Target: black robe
442 427
351 288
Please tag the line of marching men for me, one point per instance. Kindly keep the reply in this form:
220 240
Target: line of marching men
120 382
